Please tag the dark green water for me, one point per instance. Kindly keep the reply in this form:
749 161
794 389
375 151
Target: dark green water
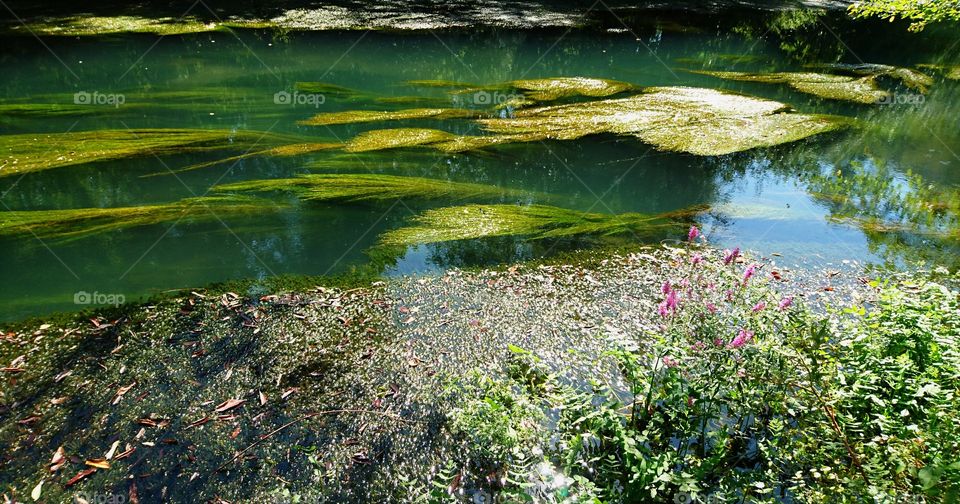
760 200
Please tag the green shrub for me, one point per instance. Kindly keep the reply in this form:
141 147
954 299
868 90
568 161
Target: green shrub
739 394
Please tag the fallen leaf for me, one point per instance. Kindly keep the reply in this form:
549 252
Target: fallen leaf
113 449
287 393
37 490
129 451
263 398
56 401
228 405
235 433
121 391
198 423
59 458
80 475
98 463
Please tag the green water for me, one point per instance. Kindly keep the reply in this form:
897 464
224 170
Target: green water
760 200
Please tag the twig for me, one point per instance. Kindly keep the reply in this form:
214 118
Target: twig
270 434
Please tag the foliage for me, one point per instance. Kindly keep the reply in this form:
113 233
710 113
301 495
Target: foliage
920 14
737 394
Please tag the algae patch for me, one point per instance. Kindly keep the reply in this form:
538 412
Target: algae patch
693 120
698 121
362 116
32 152
371 187
80 222
834 87
534 222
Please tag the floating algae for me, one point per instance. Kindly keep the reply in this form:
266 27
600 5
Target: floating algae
833 87
534 222
40 151
77 223
371 187
362 116
396 138
280 151
694 120
911 78
48 110
554 88
563 87
697 121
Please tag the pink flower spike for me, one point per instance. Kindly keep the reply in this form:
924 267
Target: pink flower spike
712 308
731 255
741 339
662 309
729 295
785 303
696 259
670 361
759 307
672 300
666 288
693 234
751 270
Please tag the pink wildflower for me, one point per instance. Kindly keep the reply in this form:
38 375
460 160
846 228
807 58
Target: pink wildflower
759 307
666 288
712 308
670 361
731 255
750 271
718 342
742 338
729 295
696 259
785 303
693 234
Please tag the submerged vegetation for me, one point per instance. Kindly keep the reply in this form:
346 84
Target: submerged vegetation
82 222
861 87
698 121
834 87
42 151
362 116
535 222
370 187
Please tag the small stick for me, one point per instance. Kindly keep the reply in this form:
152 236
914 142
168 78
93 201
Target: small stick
268 435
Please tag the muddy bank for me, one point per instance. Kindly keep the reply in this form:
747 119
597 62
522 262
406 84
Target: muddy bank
331 394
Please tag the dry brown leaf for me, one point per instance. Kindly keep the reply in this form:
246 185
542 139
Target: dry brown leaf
229 404
59 458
